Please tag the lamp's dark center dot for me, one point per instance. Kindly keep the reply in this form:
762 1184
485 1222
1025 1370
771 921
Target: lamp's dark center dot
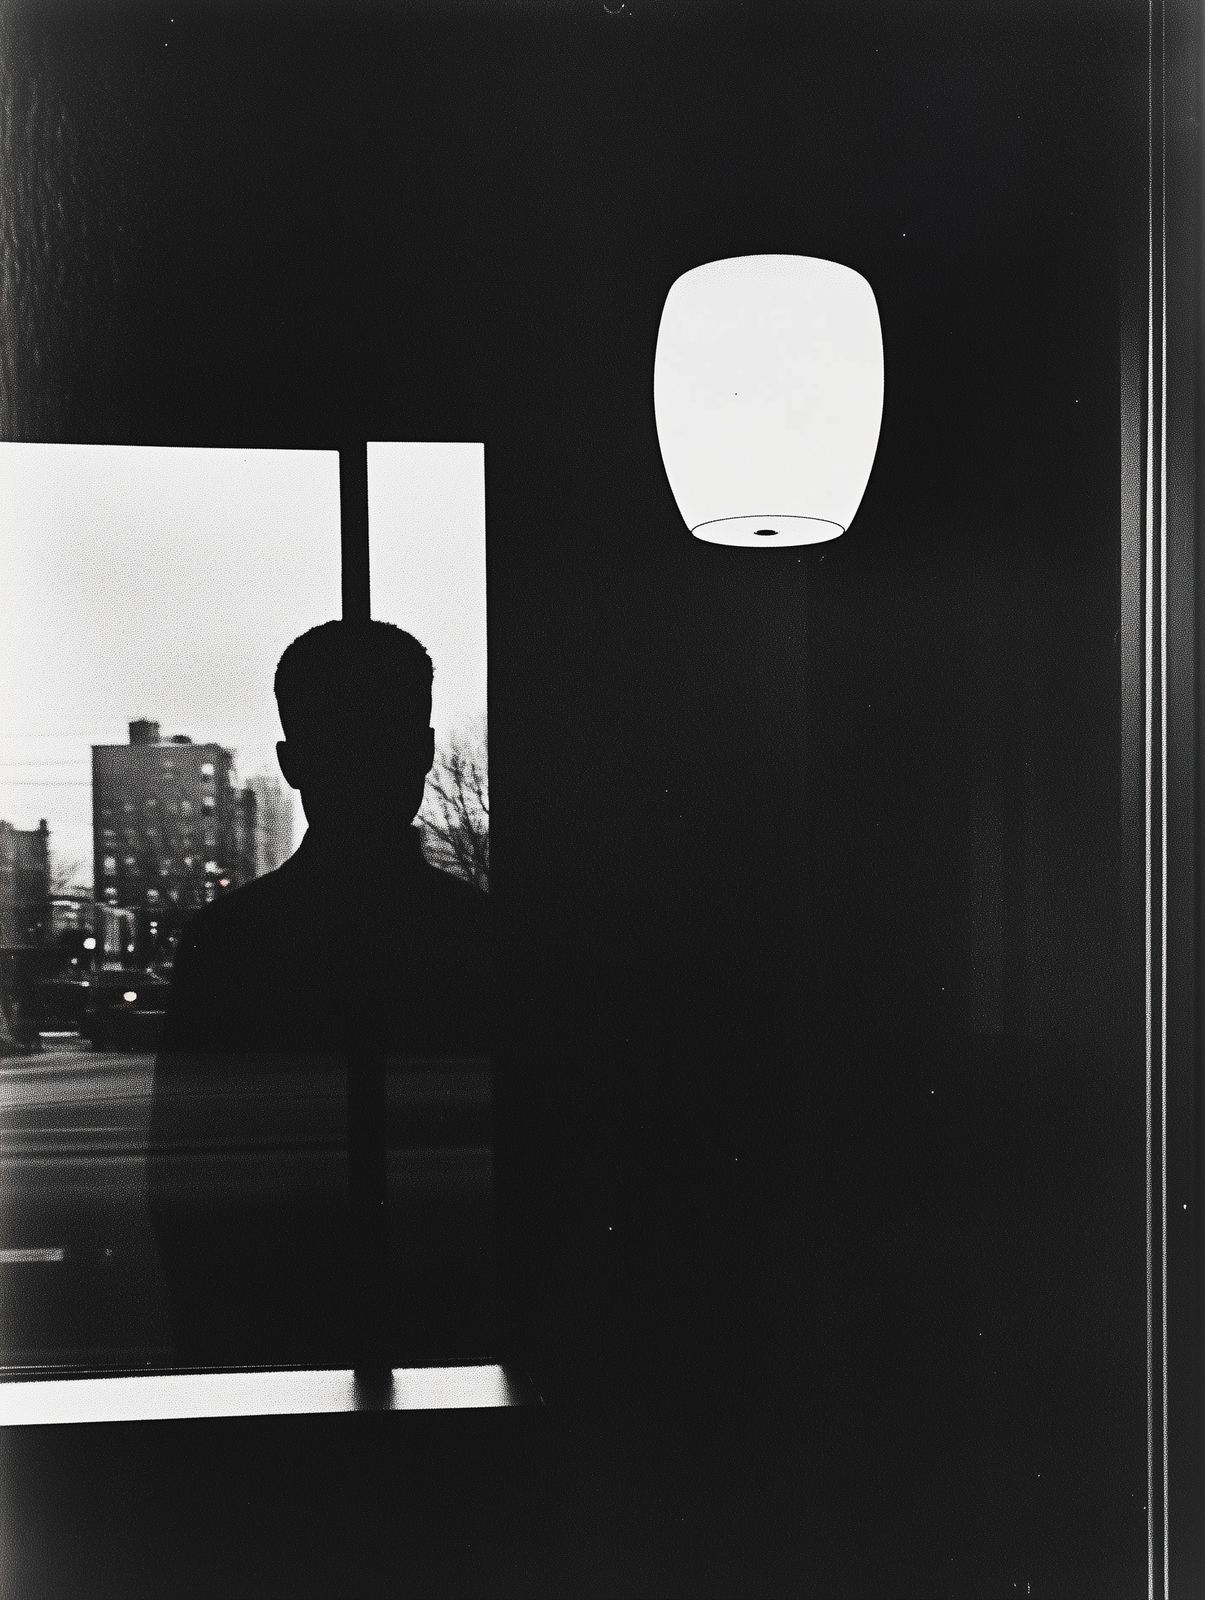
765 533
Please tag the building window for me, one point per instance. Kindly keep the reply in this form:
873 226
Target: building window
110 866
207 769
165 867
186 808
208 802
152 896
109 835
188 861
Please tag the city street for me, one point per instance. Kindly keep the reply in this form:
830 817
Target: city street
80 1281
73 1093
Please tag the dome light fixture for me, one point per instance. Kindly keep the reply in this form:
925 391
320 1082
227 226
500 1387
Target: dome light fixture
768 395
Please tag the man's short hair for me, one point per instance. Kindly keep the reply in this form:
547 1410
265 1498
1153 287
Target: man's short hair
353 667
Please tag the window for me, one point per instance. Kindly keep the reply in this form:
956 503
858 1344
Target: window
114 659
439 597
441 486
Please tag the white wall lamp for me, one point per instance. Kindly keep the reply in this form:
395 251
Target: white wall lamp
768 394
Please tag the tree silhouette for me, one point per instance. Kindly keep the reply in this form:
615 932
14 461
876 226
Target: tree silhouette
454 820
65 875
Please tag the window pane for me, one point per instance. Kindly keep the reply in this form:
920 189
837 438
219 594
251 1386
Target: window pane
147 596
427 518
427 548
139 783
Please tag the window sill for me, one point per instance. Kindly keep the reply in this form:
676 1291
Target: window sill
254 1392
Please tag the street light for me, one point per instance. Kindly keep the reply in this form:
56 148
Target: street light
768 394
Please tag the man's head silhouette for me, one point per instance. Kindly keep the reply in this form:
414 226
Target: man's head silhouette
355 706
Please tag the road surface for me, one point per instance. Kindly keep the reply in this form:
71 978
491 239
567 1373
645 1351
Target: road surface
80 1282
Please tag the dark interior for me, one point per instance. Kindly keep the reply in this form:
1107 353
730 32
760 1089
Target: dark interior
820 1142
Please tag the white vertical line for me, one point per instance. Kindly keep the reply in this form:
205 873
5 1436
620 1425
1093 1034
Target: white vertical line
1148 509
1163 739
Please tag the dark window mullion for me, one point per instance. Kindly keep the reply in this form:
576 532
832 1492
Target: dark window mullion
353 530
367 1139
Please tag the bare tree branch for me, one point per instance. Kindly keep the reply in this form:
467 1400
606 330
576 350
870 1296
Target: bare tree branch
454 819
65 873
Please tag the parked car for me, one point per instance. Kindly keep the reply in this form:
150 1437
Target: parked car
124 1010
60 1000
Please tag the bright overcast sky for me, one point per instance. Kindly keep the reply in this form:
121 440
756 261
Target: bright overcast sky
164 583
427 551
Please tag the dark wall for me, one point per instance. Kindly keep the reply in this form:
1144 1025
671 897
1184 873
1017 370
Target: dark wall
817 1091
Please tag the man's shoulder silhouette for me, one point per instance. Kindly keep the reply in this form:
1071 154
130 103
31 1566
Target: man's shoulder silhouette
307 880
303 958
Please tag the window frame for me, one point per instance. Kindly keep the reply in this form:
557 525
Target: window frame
61 1395
1162 639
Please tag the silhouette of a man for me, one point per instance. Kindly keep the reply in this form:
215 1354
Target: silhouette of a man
354 944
